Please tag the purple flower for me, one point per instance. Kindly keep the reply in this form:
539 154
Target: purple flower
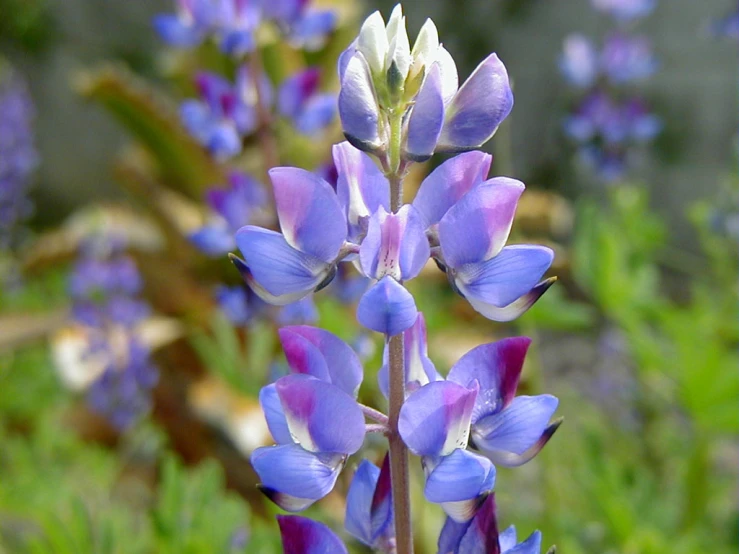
727 26
18 158
500 282
301 535
224 114
394 250
232 208
579 61
480 535
380 69
235 304
476 403
419 369
313 417
122 393
283 268
625 59
625 10
300 100
299 312
188 26
303 26
369 506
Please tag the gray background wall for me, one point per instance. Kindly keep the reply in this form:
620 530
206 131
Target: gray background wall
696 88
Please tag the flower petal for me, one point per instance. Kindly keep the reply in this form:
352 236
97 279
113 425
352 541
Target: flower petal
358 106
476 536
317 114
496 367
275 415
395 245
426 119
301 535
259 290
214 239
478 108
387 307
507 538
361 186
435 420
372 41
506 277
175 32
449 76
295 91
475 229
449 182
310 215
321 416
517 428
323 355
292 470
419 369
359 502
515 308
532 545
460 476
278 268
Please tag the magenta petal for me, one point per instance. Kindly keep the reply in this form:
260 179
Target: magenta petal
517 428
478 108
387 307
284 273
435 420
476 228
358 106
506 277
395 245
311 217
301 535
321 416
323 355
449 182
293 471
478 536
496 367
426 119
361 186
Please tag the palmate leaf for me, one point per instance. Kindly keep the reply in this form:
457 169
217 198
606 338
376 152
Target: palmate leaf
153 121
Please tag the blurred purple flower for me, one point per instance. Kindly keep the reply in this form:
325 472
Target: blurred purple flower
122 393
625 58
579 61
298 313
18 157
625 10
232 208
299 100
225 113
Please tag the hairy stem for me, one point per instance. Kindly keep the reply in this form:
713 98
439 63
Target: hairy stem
399 474
374 415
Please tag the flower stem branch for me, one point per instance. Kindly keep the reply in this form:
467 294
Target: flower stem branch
374 415
376 428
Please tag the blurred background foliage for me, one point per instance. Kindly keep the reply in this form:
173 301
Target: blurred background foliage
638 339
